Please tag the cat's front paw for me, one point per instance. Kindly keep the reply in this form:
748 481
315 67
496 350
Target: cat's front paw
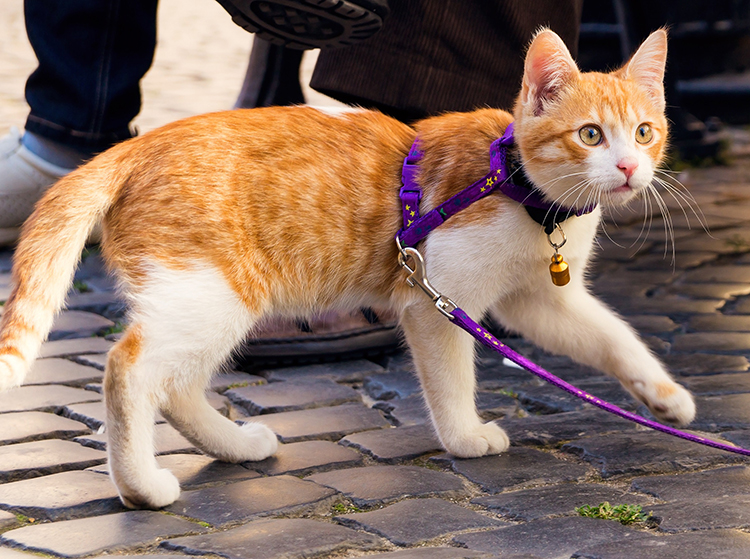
483 439
158 489
667 401
260 442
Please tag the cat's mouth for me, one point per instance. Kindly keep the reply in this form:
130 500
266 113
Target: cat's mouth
623 189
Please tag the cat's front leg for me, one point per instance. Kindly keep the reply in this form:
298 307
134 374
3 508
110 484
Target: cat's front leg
444 358
570 321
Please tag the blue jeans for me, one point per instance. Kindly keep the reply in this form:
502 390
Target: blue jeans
92 55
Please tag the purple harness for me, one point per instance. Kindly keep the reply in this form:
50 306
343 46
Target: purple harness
416 228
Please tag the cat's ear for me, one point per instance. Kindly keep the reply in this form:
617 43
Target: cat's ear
646 66
548 68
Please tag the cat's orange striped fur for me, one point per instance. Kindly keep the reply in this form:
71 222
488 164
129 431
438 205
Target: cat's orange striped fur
214 222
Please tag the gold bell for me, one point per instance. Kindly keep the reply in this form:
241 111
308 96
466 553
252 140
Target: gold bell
559 270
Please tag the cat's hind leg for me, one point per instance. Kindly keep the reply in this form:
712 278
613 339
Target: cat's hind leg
131 402
185 325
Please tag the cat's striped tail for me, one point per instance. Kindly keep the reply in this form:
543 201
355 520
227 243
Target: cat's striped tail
46 258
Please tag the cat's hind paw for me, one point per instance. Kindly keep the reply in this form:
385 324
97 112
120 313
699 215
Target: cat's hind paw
668 402
482 440
160 489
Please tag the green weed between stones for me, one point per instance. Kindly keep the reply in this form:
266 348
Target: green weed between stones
116 329
81 286
624 514
344 508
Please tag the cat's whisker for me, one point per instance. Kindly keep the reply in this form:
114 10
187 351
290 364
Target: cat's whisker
676 188
648 220
668 225
676 196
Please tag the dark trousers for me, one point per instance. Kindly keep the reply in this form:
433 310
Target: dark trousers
92 55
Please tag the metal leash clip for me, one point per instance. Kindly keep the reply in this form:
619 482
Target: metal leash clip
418 277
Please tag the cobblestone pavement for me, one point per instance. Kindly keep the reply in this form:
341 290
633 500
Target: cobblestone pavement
360 472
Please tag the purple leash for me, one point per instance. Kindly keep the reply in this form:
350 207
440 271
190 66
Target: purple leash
462 320
416 228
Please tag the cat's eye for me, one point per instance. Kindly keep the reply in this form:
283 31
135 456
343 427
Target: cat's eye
644 134
590 135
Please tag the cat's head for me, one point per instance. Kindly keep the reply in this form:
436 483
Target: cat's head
591 137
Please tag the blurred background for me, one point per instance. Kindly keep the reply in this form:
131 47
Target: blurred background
201 49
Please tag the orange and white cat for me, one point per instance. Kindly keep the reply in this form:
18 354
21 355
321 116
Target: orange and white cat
215 222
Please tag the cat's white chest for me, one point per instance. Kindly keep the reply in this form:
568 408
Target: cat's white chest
490 261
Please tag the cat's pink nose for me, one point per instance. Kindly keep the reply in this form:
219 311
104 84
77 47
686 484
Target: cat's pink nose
628 165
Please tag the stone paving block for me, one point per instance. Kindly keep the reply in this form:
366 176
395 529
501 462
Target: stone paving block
289 538
196 470
163 556
78 324
291 395
712 341
719 413
43 398
531 504
724 544
395 445
417 520
696 485
234 379
376 485
742 306
718 274
657 345
681 261
406 411
514 468
552 430
78 346
710 290
400 362
7 520
6 553
629 282
546 399
93 414
104 303
96 360
434 553
167 440
715 385
40 458
652 324
322 423
346 371
647 452
307 457
672 307
555 538
61 371
719 323
112 532
740 438
705 363
34 425
62 496
493 405
727 511
255 497
387 386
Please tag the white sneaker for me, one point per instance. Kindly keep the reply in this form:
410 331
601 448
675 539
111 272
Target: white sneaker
24 177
